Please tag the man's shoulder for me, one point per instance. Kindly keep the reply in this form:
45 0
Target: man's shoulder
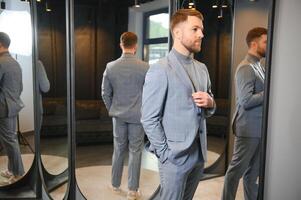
161 63
244 65
159 67
141 63
127 61
199 64
6 61
244 68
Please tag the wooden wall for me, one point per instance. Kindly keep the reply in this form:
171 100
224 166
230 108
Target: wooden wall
97 30
98 25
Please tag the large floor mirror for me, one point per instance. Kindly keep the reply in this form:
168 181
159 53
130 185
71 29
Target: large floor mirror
15 20
52 75
97 43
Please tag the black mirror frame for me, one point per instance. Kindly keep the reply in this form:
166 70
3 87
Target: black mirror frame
266 100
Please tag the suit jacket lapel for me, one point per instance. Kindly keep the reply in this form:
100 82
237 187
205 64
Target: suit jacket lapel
175 64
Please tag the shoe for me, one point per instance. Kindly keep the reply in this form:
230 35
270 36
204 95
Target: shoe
133 195
6 174
116 190
11 180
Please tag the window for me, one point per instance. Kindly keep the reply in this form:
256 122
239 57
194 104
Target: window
155 35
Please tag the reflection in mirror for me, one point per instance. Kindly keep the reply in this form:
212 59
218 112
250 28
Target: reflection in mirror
52 81
97 38
248 96
16 83
249 83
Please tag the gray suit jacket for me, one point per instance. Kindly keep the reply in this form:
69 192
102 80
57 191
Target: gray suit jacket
247 119
122 85
10 86
170 117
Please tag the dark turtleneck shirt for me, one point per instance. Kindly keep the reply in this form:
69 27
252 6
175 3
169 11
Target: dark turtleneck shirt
188 65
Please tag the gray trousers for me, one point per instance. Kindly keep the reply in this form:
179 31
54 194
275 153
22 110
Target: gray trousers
127 136
9 141
244 163
179 182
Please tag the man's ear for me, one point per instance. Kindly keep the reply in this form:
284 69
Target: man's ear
135 48
177 33
254 44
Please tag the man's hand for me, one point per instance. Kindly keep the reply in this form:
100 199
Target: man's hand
203 99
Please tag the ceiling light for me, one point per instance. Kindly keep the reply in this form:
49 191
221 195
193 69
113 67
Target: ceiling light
47 7
136 4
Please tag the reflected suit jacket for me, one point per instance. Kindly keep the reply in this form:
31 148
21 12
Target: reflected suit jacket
170 117
249 84
122 85
10 86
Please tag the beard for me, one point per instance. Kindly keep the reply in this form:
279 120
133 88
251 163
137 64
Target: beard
261 52
192 47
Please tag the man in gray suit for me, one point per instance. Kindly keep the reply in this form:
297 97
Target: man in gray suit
10 105
176 100
247 120
122 86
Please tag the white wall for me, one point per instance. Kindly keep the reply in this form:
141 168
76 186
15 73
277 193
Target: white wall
283 161
136 19
26 116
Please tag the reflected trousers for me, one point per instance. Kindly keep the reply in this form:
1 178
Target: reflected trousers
127 137
9 141
244 163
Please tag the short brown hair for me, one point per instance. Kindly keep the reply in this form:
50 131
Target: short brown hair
4 40
128 39
181 16
255 33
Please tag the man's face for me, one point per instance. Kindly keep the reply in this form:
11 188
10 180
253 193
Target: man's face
191 34
262 45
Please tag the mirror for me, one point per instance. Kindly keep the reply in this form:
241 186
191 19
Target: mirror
97 37
17 130
52 76
256 15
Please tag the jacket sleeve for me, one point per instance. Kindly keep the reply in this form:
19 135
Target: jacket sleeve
106 90
44 84
245 83
153 101
210 111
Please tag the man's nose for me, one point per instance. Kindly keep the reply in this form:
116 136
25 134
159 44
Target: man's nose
201 34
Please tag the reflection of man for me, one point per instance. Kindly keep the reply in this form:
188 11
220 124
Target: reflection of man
249 81
122 86
44 86
176 100
10 104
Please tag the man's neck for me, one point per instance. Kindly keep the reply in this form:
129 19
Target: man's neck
128 52
182 50
3 50
254 53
